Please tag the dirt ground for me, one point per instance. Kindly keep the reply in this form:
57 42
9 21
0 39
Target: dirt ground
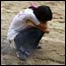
53 44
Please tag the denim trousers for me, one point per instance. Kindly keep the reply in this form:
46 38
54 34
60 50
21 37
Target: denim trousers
28 39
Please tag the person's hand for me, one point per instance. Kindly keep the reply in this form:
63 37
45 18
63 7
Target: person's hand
43 27
46 30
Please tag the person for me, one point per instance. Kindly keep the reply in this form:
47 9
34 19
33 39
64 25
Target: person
27 28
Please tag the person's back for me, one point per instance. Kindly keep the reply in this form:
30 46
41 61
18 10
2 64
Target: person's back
19 23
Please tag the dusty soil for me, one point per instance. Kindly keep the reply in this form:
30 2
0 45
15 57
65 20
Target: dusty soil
53 44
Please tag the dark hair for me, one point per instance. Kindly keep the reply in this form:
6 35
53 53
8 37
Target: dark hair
42 13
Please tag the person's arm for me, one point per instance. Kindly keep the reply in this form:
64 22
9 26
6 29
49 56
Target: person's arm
33 21
43 27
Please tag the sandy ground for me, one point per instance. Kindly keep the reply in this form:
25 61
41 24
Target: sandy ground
53 44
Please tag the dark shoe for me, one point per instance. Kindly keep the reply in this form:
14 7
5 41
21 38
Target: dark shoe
38 47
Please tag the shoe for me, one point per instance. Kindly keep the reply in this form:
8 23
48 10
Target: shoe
38 47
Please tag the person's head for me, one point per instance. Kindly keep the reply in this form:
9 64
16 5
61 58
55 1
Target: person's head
42 13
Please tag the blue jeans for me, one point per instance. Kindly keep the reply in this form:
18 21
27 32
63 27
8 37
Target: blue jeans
28 39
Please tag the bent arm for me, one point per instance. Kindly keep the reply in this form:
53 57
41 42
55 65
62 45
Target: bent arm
43 27
33 21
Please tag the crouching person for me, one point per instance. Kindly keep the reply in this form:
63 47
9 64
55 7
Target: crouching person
27 29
